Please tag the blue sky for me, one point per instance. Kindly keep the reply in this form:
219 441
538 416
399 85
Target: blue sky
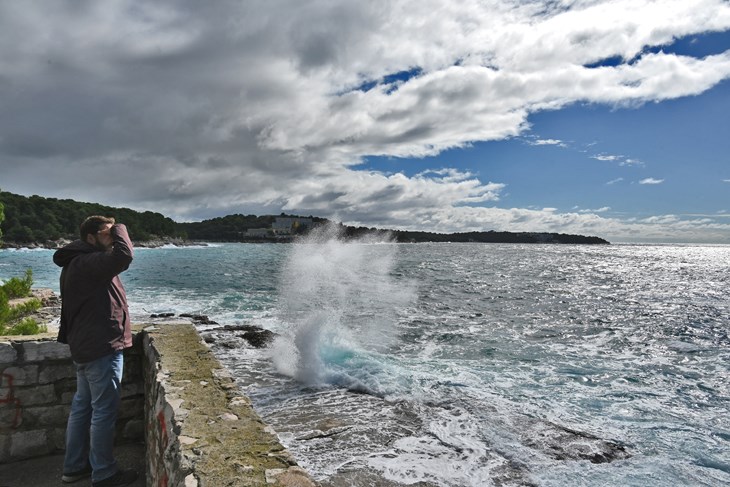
596 117
684 143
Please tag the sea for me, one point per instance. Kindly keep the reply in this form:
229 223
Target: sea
464 364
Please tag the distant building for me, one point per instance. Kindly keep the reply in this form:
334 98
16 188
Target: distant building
258 232
286 225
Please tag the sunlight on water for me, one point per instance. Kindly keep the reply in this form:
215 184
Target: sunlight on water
504 365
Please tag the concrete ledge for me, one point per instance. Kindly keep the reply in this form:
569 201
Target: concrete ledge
201 430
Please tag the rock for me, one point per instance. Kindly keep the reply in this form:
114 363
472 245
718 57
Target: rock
162 315
208 337
47 296
562 443
231 343
199 319
259 338
255 336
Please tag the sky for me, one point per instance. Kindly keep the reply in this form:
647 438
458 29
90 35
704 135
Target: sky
605 118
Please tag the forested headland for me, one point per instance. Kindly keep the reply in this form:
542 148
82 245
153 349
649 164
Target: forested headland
35 219
40 221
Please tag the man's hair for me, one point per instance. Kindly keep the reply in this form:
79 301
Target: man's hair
93 224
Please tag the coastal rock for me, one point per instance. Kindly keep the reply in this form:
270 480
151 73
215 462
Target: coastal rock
157 242
255 336
199 319
563 443
162 315
48 244
229 336
47 297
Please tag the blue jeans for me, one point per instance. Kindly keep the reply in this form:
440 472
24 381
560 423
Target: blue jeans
90 428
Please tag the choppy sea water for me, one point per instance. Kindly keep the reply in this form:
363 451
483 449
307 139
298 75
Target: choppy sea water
467 364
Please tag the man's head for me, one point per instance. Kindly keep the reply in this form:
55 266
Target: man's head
96 231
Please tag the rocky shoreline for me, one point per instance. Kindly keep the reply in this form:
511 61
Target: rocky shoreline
49 313
227 336
57 244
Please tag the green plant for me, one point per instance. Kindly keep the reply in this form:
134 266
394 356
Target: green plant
18 311
27 326
18 287
14 319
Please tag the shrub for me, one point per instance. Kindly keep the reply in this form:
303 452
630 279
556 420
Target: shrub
14 313
18 287
27 326
13 319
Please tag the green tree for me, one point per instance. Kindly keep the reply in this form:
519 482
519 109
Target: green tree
2 217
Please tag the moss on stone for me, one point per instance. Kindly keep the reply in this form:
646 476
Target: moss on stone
224 438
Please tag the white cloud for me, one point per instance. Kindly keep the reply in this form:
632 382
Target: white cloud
201 109
606 157
614 181
622 160
603 209
556 142
651 181
631 162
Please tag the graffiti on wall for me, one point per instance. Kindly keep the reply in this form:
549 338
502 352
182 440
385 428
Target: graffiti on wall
10 410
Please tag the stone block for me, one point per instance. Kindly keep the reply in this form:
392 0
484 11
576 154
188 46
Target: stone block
133 373
41 351
134 430
11 414
65 389
22 375
36 396
67 397
57 438
8 354
26 444
131 389
46 416
131 408
4 448
53 372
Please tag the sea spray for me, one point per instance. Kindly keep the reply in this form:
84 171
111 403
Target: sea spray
339 301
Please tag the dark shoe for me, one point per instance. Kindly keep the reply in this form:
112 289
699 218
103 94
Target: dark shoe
69 478
122 477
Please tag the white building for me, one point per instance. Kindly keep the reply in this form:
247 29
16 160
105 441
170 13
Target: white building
285 225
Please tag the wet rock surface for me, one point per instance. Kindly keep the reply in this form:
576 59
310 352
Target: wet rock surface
199 319
235 336
562 443
228 336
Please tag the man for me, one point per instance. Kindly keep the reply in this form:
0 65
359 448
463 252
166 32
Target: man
95 323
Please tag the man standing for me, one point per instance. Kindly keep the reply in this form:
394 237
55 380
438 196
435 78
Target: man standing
95 323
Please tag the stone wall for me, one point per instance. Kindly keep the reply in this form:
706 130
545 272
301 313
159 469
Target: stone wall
201 430
37 383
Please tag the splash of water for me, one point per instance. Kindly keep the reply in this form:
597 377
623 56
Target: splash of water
340 302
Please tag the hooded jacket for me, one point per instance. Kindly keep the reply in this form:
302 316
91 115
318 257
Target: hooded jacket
94 312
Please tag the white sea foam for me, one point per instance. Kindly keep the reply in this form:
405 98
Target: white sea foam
339 300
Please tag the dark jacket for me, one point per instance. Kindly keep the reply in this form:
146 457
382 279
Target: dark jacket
94 312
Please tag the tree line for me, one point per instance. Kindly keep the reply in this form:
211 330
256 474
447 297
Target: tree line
35 219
